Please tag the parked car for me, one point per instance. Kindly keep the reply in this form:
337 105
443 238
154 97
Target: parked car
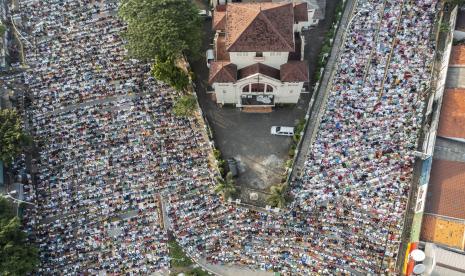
282 130
232 166
205 13
210 57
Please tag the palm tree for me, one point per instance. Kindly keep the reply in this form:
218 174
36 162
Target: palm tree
225 187
278 196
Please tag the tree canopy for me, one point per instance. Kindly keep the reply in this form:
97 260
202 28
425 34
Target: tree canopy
278 197
168 72
12 137
456 2
17 257
225 187
161 29
185 106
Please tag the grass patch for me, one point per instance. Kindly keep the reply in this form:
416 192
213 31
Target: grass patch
178 257
196 272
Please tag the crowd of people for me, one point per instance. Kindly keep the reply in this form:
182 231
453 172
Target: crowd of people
108 141
349 206
113 155
360 166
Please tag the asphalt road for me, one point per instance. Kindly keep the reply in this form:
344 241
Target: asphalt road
246 136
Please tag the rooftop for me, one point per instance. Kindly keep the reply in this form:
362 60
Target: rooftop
457 56
222 71
443 231
452 121
258 68
219 18
300 12
294 71
445 195
259 27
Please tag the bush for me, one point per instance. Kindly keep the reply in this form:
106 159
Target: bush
2 29
291 152
196 272
177 255
300 126
167 71
289 163
296 137
217 154
185 106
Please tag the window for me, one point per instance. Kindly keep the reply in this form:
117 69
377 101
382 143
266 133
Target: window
257 87
259 54
269 88
246 88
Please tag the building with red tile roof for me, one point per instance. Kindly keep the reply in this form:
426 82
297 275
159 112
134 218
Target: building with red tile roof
457 56
262 42
452 121
444 219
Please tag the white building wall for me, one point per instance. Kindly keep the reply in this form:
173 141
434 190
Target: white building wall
244 59
225 93
289 92
301 25
230 93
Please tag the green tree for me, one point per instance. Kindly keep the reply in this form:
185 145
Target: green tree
278 196
168 72
456 2
12 138
444 27
17 257
161 29
2 29
226 187
185 106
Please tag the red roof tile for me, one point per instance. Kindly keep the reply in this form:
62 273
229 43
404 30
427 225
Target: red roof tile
222 71
294 71
457 56
258 68
452 121
221 53
219 18
259 27
300 12
446 189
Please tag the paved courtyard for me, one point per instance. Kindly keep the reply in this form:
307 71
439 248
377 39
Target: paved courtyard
246 136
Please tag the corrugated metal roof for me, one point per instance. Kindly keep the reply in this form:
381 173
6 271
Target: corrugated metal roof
450 258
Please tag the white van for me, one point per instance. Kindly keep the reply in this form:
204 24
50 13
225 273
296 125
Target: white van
210 57
282 130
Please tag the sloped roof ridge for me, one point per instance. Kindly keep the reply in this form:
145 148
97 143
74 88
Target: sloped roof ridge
261 12
272 25
227 72
246 27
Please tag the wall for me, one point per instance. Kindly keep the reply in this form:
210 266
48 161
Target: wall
439 73
273 59
225 93
459 35
230 93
